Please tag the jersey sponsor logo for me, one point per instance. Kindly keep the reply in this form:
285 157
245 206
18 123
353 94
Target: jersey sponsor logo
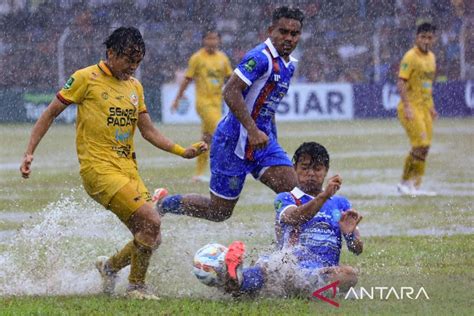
134 99
121 117
122 151
122 136
250 65
278 204
276 77
69 83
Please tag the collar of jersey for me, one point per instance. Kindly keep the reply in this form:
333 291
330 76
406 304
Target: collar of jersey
103 66
298 193
275 54
419 52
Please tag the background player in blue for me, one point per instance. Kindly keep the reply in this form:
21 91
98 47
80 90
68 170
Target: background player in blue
245 140
310 224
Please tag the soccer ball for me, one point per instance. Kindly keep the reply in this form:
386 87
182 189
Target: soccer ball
209 265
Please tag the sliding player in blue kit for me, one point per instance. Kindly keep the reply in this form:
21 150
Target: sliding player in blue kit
245 141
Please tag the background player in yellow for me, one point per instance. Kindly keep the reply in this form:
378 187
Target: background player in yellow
110 105
416 110
208 67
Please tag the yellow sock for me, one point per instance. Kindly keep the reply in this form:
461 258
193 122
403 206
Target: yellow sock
122 258
408 168
141 256
201 163
418 171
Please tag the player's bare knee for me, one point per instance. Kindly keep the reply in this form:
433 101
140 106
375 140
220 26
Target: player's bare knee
349 277
419 153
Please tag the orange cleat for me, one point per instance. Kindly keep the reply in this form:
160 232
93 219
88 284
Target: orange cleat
234 258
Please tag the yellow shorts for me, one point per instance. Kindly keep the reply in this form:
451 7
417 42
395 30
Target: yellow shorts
420 128
123 192
210 113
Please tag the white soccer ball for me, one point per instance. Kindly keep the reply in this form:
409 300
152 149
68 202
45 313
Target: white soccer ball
209 264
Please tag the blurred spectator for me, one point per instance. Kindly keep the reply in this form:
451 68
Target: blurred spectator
351 41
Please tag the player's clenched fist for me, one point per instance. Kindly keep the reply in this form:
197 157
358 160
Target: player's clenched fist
25 167
195 150
333 185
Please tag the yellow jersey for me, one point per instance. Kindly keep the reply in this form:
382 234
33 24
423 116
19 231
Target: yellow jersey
209 72
107 116
418 70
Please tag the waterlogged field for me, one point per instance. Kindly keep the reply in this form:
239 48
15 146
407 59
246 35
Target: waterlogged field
51 231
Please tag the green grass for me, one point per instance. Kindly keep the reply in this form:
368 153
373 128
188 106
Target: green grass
408 242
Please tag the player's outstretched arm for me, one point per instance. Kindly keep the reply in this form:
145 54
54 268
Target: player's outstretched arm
182 87
154 136
301 214
233 96
39 130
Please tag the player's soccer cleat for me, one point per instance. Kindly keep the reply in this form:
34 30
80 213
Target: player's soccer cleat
109 278
234 258
159 195
405 188
201 178
140 292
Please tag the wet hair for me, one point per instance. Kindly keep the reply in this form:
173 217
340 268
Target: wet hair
208 31
126 41
318 153
425 27
289 13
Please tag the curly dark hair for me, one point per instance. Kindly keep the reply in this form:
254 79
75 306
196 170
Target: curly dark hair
425 27
318 153
126 41
289 13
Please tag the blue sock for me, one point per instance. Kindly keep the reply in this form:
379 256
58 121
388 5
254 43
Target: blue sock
172 204
252 279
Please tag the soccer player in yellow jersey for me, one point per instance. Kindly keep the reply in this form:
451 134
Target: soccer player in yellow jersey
208 67
110 105
416 110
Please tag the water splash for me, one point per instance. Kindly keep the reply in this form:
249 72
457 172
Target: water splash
53 253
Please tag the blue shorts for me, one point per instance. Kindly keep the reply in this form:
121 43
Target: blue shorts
228 171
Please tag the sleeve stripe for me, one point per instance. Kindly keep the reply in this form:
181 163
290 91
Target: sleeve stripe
242 76
281 213
63 99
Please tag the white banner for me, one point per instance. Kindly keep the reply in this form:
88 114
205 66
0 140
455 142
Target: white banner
186 112
309 102
304 102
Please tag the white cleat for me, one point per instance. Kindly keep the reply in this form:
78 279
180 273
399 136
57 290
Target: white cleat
405 188
109 278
